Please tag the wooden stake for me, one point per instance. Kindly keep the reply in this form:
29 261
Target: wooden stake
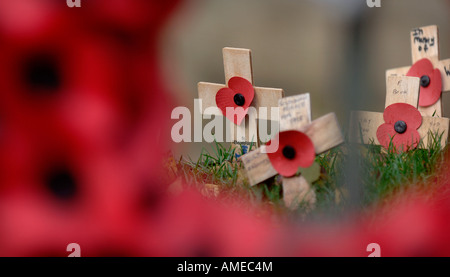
296 191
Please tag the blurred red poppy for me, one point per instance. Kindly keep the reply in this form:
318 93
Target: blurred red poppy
81 126
401 124
295 149
82 104
430 82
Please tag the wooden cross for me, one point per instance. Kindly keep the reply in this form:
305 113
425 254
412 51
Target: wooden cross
324 132
400 89
425 44
238 63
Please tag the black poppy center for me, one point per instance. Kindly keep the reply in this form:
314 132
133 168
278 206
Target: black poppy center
239 99
42 73
424 81
289 152
62 183
400 126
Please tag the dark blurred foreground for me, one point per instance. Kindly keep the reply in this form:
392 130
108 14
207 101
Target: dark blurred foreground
83 121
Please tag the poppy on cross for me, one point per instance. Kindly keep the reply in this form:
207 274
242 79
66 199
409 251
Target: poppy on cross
401 123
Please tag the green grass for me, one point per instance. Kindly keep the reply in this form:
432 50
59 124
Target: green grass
380 174
391 172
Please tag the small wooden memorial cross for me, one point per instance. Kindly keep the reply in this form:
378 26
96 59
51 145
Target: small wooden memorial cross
400 89
238 63
425 57
324 133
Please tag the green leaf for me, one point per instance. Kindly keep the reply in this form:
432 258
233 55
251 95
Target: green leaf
312 173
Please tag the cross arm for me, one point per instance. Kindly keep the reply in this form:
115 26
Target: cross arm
444 67
364 125
264 97
258 166
267 97
324 132
207 93
434 126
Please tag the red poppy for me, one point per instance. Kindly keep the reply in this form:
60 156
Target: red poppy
235 100
401 124
430 82
295 149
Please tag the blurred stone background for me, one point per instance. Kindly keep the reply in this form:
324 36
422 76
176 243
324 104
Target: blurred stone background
338 50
